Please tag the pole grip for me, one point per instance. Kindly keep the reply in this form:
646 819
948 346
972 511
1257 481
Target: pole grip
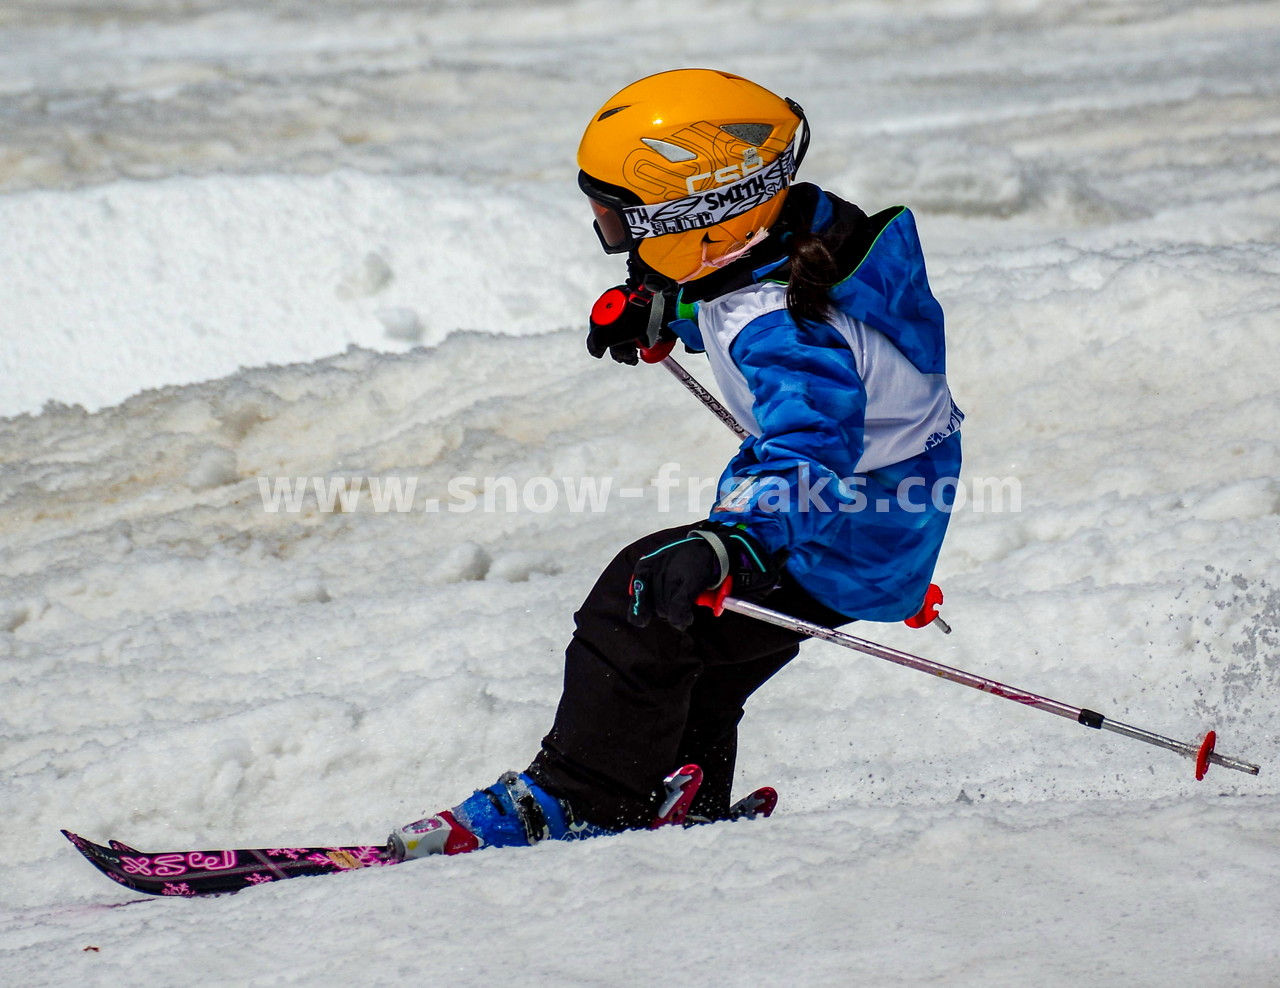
657 353
716 596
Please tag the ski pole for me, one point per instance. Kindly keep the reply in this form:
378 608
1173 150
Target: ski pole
660 353
1203 754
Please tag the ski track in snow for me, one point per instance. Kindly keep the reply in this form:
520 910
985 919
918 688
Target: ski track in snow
341 240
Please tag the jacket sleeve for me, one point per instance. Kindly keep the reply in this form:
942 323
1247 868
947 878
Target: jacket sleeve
788 485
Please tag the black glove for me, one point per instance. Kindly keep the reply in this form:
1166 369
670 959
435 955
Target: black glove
667 583
625 318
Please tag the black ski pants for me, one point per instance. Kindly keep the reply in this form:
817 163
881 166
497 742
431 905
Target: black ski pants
640 702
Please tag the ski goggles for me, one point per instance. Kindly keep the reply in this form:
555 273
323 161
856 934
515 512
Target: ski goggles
622 221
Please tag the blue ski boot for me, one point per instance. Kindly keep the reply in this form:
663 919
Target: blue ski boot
516 812
513 812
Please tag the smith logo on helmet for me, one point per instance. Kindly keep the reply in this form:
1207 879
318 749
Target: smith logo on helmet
704 209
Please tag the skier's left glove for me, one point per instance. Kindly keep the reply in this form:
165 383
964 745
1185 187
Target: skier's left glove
667 582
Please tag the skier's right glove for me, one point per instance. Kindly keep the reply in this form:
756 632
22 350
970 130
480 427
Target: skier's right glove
667 582
626 318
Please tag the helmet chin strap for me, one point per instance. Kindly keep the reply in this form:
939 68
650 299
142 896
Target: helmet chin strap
724 260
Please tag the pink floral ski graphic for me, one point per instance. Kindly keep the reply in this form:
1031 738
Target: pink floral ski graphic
188 873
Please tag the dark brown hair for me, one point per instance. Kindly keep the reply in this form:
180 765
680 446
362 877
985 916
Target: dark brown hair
813 272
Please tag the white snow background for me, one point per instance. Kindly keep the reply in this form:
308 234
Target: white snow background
244 241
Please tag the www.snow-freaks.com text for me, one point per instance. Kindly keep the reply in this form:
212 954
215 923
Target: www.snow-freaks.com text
669 491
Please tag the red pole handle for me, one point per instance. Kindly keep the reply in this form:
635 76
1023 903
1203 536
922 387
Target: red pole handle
657 353
715 597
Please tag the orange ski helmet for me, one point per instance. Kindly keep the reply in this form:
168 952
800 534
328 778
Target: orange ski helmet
689 168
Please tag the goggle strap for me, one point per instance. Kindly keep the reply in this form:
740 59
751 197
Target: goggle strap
802 146
712 206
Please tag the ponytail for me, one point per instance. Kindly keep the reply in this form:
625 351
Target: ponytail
813 272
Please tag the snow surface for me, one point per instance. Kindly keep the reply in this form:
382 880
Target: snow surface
206 203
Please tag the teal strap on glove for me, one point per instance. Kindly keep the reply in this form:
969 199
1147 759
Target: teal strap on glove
666 583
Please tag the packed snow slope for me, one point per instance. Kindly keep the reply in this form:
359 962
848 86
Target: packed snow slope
248 246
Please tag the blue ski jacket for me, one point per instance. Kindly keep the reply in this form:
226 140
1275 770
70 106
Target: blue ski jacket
854 454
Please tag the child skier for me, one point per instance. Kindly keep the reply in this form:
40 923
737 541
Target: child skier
827 345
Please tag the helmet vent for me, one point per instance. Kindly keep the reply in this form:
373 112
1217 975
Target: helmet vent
610 112
672 152
752 133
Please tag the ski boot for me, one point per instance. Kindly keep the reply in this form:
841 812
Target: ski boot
516 812
513 812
